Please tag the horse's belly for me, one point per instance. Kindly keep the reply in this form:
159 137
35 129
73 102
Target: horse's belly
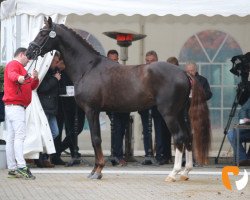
127 106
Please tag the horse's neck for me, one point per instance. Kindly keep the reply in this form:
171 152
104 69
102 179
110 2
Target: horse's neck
78 58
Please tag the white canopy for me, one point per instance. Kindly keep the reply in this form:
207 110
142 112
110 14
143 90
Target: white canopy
22 19
126 7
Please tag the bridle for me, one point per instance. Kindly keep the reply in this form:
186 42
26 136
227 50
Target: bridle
38 48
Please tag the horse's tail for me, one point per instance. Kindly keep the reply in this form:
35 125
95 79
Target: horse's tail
200 123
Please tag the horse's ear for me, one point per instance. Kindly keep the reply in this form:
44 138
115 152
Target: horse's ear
46 21
50 22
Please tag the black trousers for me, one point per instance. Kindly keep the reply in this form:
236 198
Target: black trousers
66 118
162 135
121 123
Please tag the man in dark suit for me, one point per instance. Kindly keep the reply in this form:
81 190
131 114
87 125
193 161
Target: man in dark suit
120 121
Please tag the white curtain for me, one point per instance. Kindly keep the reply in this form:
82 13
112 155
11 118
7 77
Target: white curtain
8 39
38 137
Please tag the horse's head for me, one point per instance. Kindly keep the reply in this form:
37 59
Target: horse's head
44 42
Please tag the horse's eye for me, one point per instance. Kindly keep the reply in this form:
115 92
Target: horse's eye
44 32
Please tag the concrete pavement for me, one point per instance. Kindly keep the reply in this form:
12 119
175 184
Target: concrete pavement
133 181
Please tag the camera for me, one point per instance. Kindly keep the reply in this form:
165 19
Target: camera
241 65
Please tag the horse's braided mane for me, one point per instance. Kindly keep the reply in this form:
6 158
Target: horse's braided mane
82 40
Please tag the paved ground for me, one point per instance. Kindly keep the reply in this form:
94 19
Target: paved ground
134 181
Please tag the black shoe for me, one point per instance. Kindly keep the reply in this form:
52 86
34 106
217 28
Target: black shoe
117 162
244 163
57 161
48 164
162 161
78 155
122 163
148 160
114 161
39 163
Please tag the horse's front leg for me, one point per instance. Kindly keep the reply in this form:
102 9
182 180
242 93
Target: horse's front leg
94 125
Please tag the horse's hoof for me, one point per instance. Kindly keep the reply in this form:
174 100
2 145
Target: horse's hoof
96 176
90 175
170 179
184 178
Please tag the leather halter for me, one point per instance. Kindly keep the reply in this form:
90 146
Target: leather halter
37 51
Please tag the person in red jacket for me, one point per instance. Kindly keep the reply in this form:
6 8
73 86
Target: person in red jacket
18 86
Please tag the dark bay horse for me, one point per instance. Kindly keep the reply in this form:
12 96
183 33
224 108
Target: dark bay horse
103 85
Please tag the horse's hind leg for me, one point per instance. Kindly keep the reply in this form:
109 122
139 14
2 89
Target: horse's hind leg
174 127
94 125
188 167
177 166
181 135
185 126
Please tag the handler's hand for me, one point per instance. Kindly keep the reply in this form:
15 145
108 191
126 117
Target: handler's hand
21 79
57 76
35 74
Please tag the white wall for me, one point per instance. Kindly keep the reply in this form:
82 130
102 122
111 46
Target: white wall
166 35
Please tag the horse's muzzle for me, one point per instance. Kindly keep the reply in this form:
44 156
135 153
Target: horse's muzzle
33 51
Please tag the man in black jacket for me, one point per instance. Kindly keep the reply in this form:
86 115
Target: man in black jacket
121 123
191 68
48 93
162 135
66 117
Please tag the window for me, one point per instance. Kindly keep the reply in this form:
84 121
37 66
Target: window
212 50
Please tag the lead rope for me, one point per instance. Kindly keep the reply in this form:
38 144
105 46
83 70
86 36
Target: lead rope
26 77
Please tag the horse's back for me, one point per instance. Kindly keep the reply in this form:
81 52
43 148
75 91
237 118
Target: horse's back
169 85
129 88
169 72
168 79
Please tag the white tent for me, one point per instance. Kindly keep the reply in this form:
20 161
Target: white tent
21 20
126 7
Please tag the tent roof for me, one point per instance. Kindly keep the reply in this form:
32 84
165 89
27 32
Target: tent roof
126 7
